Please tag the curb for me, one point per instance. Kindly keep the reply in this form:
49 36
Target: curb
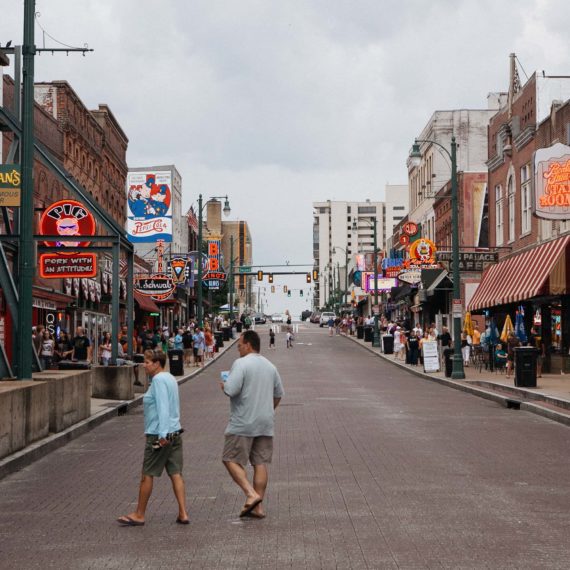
37 450
516 401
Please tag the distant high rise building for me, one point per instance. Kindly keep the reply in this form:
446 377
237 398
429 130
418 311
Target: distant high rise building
341 230
397 202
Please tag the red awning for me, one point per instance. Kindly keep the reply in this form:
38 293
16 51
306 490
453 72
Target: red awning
146 303
519 277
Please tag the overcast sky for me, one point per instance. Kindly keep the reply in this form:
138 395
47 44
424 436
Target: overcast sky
282 103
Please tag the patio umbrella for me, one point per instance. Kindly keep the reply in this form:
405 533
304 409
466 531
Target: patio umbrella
519 326
507 329
468 324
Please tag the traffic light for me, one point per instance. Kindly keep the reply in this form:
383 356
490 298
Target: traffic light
284 288
270 277
308 277
260 275
301 293
288 293
273 288
315 274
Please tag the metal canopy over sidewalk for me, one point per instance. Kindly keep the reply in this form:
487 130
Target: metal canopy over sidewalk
523 276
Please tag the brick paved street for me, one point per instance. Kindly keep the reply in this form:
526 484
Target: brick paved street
373 468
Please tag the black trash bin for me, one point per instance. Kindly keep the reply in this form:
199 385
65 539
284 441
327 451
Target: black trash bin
360 331
525 366
368 334
448 357
388 344
227 332
239 327
176 362
219 337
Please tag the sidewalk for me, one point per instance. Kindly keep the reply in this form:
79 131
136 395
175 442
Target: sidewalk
551 397
101 411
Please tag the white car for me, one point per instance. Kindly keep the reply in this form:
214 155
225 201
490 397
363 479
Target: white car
277 318
325 318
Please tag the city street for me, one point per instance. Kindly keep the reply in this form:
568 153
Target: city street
373 468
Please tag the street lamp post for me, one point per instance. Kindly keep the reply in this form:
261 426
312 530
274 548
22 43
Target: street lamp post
458 372
227 210
376 338
345 270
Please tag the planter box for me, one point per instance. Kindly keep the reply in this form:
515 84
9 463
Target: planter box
69 397
24 414
114 382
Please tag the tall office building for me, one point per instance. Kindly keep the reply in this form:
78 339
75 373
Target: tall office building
341 230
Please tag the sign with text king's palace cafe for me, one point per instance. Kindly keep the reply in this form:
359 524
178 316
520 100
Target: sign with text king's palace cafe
55 266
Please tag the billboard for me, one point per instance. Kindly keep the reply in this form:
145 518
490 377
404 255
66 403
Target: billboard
149 206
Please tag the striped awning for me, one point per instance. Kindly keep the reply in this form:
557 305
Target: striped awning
145 303
519 277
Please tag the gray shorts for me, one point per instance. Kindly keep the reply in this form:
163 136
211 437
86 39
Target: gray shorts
168 457
241 449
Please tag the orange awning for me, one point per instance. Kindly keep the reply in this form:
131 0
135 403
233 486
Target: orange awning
521 276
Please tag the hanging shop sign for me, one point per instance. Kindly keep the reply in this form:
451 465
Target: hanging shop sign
422 252
149 199
68 219
158 286
410 228
392 266
57 266
384 283
179 269
469 260
552 182
411 276
215 276
404 239
10 179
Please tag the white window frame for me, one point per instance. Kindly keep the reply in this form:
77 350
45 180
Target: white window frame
526 200
511 206
499 228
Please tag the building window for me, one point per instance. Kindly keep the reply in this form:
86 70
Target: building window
525 199
366 209
511 199
499 214
399 208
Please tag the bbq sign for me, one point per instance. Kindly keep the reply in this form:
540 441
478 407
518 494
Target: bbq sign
72 221
67 218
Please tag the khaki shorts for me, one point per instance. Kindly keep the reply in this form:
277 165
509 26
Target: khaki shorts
241 449
168 457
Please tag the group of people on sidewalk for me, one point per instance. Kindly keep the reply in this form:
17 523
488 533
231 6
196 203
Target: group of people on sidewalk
254 388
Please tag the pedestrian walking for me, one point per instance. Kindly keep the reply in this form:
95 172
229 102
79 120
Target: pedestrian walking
199 346
163 447
255 390
330 324
47 349
271 338
289 338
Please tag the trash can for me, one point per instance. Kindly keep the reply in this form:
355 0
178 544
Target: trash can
525 366
227 332
239 326
360 331
448 357
368 334
176 362
219 337
388 344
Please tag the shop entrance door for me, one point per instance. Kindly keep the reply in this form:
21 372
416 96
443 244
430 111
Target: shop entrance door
95 324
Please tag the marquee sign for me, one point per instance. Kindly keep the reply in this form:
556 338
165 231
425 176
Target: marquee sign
158 286
552 182
214 276
384 283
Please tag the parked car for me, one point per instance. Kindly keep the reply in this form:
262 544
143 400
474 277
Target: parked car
325 318
315 317
276 318
259 319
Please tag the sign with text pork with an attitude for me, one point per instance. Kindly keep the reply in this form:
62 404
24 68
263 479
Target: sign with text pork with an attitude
149 199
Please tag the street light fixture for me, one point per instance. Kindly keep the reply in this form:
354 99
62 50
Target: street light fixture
376 338
227 211
415 157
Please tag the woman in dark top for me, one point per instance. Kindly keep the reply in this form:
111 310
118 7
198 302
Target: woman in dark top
63 347
413 346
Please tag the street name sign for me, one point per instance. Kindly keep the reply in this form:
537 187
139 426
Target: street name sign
244 269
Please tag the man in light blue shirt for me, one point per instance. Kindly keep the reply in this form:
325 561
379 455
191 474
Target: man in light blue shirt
163 449
255 390
178 342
